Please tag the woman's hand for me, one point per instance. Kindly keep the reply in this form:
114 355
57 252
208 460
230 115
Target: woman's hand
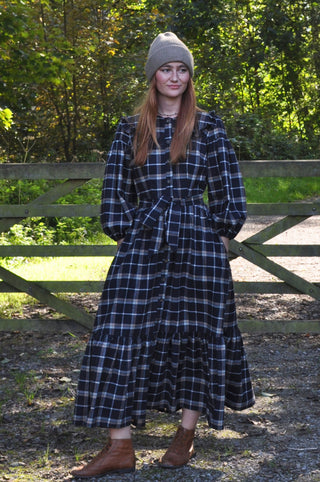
225 242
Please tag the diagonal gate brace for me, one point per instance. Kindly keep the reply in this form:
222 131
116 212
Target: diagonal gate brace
249 253
275 229
46 297
271 231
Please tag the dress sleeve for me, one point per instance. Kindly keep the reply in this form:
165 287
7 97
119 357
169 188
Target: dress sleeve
226 194
119 199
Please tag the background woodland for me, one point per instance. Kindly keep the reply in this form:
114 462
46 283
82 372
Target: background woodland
70 68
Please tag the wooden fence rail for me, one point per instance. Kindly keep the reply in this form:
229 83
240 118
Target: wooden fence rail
252 249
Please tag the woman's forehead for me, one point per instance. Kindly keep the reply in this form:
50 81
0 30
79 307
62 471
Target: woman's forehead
174 64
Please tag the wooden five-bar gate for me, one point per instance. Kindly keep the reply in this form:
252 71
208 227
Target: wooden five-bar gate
252 249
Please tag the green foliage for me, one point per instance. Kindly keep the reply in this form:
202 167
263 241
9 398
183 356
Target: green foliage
35 232
5 119
89 193
66 76
78 230
70 69
22 192
253 139
46 231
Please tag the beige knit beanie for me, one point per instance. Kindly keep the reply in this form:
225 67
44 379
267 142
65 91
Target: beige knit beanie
167 47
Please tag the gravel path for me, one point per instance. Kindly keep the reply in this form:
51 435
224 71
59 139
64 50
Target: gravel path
278 439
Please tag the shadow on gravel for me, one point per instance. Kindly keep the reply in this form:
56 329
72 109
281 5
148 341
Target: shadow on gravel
277 439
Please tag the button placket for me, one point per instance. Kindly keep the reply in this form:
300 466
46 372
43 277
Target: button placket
168 132
163 284
169 189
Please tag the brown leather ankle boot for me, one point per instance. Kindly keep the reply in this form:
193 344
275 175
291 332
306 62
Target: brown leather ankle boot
115 458
180 451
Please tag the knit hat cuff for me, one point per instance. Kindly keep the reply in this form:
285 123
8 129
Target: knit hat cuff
166 48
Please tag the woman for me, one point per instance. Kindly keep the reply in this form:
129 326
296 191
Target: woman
166 336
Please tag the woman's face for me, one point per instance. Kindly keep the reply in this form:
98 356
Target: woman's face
172 79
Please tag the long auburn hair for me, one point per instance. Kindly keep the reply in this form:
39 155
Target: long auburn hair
146 135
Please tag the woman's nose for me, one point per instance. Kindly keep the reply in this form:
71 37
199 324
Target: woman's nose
174 75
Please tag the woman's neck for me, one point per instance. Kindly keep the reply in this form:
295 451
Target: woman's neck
167 108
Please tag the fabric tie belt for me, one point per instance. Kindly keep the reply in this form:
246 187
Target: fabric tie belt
165 227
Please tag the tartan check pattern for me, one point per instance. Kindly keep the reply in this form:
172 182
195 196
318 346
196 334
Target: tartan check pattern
166 334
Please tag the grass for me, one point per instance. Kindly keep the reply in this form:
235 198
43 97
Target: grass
280 189
53 269
27 386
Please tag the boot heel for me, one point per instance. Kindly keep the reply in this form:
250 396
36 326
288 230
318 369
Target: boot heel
180 451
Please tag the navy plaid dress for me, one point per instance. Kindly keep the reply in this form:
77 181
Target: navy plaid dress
166 334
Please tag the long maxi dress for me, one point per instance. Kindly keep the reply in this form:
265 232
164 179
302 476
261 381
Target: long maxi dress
166 334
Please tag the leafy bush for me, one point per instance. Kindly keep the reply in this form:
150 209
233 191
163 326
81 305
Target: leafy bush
253 138
51 230
36 233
